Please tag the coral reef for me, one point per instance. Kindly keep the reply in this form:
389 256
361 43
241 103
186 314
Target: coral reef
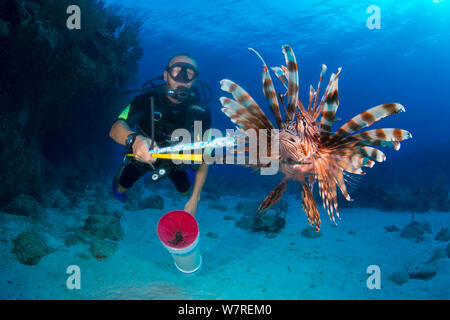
421 198
104 227
24 205
30 248
438 253
443 235
416 231
422 271
56 199
399 277
97 208
58 86
281 208
409 198
247 208
102 249
255 222
133 197
310 232
72 239
102 224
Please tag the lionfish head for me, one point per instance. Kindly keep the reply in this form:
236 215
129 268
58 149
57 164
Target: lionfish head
293 140
290 139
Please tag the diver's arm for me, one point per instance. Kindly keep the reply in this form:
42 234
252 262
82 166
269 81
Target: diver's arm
200 178
120 131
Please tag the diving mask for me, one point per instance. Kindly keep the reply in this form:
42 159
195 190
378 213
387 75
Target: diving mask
182 72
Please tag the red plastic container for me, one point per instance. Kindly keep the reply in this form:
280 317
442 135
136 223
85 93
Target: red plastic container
178 231
177 222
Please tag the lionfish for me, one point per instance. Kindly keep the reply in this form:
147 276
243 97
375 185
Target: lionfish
308 149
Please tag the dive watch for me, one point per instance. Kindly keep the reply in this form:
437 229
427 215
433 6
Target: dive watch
130 140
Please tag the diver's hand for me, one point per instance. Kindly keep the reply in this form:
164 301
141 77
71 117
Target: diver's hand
191 205
141 147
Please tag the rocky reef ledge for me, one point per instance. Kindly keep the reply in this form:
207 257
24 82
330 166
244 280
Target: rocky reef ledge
59 87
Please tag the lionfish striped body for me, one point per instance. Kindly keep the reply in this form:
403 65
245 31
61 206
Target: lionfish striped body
309 151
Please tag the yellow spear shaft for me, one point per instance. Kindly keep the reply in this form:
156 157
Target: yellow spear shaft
174 156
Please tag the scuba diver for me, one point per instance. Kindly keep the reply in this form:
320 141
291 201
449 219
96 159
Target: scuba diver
172 105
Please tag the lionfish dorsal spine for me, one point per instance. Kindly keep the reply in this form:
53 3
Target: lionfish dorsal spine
316 98
269 91
292 76
331 99
312 95
246 101
280 74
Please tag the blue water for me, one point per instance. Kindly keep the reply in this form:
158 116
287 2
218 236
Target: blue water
405 61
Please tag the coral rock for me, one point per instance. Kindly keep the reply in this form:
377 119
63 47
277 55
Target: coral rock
97 208
416 231
255 222
30 248
399 277
102 249
438 253
443 235
391 228
104 226
56 199
310 232
5 28
24 205
72 240
422 271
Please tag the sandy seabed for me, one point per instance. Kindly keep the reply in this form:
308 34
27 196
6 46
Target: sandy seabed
236 265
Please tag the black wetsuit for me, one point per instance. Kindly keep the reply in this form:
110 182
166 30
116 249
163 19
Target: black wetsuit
168 117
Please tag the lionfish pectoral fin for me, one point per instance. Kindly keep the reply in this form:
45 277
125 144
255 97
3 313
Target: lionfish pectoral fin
368 117
310 207
273 197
